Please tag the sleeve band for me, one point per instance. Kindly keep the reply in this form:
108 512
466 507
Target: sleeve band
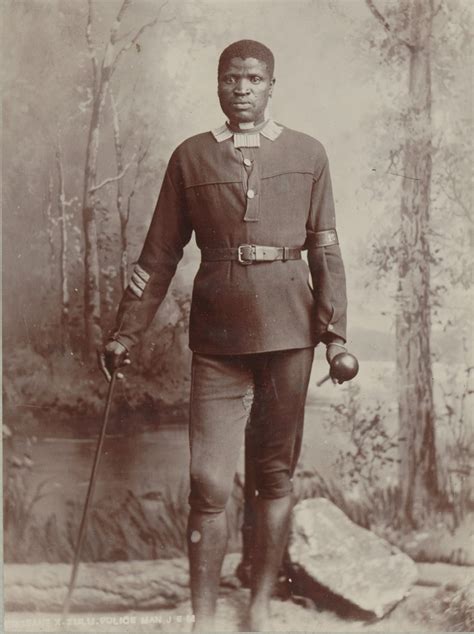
316 239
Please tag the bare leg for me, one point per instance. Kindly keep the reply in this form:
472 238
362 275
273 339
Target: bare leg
271 534
207 541
221 386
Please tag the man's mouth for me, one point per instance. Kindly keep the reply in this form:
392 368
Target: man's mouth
242 104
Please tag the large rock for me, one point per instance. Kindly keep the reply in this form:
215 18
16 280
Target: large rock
331 553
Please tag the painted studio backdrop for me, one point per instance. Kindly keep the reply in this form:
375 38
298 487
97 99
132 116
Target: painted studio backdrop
96 96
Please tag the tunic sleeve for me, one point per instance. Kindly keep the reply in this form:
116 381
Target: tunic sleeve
170 230
325 262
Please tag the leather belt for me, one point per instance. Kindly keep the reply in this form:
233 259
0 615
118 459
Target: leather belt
249 253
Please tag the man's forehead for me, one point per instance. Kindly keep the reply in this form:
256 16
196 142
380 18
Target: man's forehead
248 64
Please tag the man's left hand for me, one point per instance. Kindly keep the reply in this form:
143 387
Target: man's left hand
332 350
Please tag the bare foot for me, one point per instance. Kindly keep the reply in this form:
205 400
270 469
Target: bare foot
258 619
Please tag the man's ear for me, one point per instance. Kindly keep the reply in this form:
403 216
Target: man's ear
272 83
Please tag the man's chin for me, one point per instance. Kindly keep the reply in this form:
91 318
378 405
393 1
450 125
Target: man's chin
241 116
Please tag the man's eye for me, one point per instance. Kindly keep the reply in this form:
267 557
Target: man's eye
256 80
229 80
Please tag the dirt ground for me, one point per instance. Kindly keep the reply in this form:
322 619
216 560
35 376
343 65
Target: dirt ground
424 610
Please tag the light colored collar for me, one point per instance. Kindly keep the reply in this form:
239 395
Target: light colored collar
247 138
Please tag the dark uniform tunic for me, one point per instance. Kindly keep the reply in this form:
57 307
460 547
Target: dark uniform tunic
232 193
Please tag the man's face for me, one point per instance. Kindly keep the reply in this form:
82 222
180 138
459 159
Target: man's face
244 87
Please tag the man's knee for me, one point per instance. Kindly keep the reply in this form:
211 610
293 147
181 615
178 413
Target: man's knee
208 493
274 484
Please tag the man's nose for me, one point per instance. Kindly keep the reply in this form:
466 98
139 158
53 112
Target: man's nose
242 87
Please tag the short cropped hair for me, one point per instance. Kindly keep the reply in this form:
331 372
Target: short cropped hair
245 49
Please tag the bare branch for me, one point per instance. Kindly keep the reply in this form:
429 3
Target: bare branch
412 178
455 197
143 148
116 129
90 46
138 34
378 16
128 103
100 207
384 22
63 218
108 61
438 8
111 179
49 218
394 158
437 142
142 153
118 20
71 201
118 154
124 36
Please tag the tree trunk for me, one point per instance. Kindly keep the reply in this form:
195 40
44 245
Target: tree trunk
101 81
50 223
418 472
103 586
63 220
121 208
122 585
92 309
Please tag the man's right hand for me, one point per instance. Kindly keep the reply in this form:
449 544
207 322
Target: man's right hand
112 357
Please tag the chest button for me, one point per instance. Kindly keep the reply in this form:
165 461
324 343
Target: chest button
247 162
250 193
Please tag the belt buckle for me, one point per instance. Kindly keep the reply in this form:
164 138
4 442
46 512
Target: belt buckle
240 254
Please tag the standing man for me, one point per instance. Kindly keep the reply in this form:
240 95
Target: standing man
255 193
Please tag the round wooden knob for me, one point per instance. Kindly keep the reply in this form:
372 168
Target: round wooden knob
344 367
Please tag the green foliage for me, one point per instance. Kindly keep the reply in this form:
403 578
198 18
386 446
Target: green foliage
129 527
51 390
118 529
365 488
459 610
372 448
450 243
457 459
362 510
379 512
20 498
370 457
437 540
48 389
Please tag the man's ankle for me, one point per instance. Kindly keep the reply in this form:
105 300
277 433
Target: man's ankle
258 619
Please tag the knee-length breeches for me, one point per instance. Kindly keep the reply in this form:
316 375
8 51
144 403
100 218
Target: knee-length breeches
268 391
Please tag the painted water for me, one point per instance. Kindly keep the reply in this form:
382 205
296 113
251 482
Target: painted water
150 463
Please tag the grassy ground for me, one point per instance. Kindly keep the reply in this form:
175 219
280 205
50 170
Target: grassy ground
153 526
426 609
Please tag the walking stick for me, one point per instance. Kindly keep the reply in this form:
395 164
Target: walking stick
90 493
